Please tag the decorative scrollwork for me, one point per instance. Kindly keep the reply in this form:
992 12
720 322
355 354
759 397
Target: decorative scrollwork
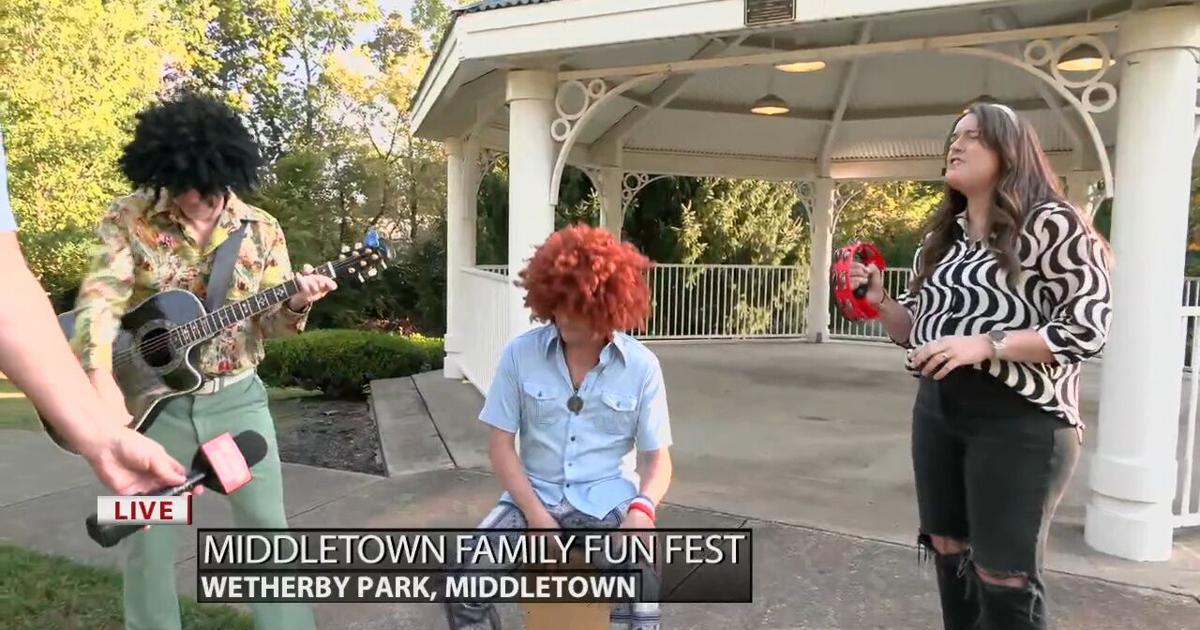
488 159
1096 194
588 95
1196 135
633 183
1040 52
806 191
593 174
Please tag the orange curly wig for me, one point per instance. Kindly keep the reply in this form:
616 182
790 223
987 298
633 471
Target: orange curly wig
587 271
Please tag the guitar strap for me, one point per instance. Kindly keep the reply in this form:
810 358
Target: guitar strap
222 269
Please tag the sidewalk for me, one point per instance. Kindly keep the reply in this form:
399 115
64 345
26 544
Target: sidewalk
806 576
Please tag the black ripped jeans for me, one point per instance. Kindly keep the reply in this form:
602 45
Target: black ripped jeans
990 470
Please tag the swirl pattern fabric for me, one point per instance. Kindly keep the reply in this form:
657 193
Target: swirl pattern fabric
1063 291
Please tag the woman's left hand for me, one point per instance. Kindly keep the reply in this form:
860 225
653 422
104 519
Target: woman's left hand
938 358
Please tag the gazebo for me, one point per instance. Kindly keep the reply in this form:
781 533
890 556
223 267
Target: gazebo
817 92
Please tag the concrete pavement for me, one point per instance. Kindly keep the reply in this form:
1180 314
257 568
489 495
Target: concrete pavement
806 444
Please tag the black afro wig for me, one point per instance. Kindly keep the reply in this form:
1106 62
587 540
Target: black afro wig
191 142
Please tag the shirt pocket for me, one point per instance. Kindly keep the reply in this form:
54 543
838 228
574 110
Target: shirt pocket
537 402
247 273
618 413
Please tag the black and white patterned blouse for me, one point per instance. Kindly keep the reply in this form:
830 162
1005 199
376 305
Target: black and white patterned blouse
1063 291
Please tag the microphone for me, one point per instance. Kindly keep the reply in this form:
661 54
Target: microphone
221 464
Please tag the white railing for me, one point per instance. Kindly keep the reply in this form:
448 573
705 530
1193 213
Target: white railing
1187 496
484 293
726 302
895 282
496 269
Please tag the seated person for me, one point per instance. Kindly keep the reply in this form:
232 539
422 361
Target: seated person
580 395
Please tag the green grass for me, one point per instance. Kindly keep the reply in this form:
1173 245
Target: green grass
18 413
38 592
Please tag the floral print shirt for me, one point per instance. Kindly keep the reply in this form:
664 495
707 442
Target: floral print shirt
146 247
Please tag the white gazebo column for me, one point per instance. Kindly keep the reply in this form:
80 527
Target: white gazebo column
821 255
612 207
472 170
531 158
1133 472
1081 186
455 210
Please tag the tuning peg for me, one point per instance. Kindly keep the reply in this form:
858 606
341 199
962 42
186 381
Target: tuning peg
372 272
383 264
374 256
358 246
362 263
345 249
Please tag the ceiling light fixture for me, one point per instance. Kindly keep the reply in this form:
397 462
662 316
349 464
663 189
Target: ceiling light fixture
1082 58
770 105
801 66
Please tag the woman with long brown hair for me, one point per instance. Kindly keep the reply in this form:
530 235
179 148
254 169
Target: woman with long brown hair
1010 293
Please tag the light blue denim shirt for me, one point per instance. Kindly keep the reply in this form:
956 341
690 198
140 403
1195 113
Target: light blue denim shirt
7 222
588 457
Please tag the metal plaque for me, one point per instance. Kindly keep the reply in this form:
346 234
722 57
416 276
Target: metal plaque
760 12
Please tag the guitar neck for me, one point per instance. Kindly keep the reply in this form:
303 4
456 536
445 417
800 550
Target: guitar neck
207 327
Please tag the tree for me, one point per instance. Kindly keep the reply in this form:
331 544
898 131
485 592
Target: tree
72 76
433 18
888 214
375 85
742 221
270 58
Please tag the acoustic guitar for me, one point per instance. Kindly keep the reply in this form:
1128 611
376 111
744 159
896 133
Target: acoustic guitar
157 345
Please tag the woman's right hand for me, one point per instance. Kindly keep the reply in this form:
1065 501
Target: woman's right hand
869 275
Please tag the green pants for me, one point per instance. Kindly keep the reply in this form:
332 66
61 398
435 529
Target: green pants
151 602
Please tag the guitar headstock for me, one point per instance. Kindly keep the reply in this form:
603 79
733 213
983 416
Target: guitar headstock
364 260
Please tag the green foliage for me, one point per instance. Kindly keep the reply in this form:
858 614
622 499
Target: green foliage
888 214
742 222
270 58
42 591
491 222
433 17
318 211
651 220
578 202
341 363
72 75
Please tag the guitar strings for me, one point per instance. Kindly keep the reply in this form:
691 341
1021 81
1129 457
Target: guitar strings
129 354
164 340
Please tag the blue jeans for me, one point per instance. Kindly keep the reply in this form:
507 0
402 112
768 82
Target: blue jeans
483 616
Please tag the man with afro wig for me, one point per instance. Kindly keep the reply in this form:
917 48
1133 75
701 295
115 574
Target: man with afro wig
582 397
189 158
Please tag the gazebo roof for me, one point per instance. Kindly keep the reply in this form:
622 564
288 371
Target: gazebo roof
488 5
894 79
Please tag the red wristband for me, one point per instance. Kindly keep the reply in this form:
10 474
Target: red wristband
644 507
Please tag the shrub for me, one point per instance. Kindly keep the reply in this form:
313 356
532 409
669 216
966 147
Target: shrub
341 363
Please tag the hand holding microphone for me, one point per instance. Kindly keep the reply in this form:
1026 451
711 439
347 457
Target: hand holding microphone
221 464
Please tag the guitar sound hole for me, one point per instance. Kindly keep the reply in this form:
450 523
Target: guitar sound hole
155 349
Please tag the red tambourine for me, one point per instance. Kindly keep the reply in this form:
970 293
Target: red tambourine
853 302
